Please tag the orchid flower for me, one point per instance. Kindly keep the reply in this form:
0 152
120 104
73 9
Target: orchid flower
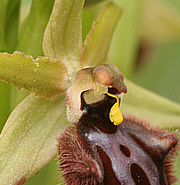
71 85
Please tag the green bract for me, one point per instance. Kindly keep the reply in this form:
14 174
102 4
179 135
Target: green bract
29 139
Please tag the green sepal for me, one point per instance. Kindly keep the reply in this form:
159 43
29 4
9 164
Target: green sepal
29 138
97 42
63 34
150 107
44 77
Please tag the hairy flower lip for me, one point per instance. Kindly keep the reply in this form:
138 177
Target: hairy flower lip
165 141
109 161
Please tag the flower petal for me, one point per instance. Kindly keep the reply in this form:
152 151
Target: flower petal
146 105
63 34
97 42
44 77
31 36
28 141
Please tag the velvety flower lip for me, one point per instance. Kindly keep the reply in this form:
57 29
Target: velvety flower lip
132 152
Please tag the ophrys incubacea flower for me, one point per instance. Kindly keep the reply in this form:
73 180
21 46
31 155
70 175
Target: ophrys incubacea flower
29 137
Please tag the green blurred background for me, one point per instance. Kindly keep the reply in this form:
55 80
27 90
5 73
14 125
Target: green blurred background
145 47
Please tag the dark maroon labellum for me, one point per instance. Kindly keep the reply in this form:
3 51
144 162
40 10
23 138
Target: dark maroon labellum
96 152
